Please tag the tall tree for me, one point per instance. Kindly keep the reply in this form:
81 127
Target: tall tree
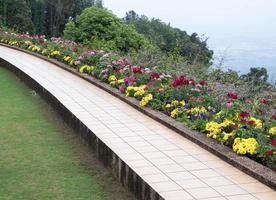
17 15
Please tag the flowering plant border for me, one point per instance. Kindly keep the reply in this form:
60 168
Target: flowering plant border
247 165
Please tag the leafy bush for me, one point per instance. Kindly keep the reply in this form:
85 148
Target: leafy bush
97 25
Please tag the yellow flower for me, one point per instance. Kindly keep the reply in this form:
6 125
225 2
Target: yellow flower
175 103
168 106
213 128
28 43
120 81
197 110
139 91
67 58
272 131
175 113
112 78
35 49
182 103
55 53
145 100
258 123
86 69
226 136
243 146
226 123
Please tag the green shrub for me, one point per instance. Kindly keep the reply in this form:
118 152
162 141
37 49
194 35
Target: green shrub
97 25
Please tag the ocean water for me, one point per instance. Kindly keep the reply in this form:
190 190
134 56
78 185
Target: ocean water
240 53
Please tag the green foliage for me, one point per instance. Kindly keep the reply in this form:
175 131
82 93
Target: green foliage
97 24
256 75
171 40
16 14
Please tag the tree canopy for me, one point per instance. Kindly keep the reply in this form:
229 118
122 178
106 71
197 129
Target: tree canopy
170 39
41 16
99 24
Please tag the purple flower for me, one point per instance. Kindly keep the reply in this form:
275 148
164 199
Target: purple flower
122 88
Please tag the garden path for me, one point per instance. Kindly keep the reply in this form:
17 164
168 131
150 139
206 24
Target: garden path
173 166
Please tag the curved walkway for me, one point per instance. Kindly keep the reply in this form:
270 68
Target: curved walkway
173 166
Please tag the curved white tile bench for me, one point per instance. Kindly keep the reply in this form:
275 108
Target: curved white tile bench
171 165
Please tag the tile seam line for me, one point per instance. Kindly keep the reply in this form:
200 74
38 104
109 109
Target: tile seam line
242 163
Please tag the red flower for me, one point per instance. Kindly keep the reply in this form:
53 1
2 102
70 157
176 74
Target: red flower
269 152
244 114
154 75
243 121
179 81
203 83
251 122
273 117
264 101
273 142
234 126
232 95
137 70
192 82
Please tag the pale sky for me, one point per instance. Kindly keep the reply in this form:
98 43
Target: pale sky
206 16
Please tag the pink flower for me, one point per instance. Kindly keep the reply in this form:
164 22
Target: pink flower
132 78
77 62
248 101
229 104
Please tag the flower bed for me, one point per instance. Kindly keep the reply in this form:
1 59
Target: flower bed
239 123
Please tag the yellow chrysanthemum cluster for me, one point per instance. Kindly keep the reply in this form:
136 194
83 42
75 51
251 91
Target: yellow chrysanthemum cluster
86 69
215 129
139 91
272 131
258 123
243 146
146 99
55 53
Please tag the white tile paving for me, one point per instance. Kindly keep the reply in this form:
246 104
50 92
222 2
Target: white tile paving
175 167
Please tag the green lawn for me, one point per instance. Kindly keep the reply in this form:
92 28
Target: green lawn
40 157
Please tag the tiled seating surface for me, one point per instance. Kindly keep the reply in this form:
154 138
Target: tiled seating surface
173 166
